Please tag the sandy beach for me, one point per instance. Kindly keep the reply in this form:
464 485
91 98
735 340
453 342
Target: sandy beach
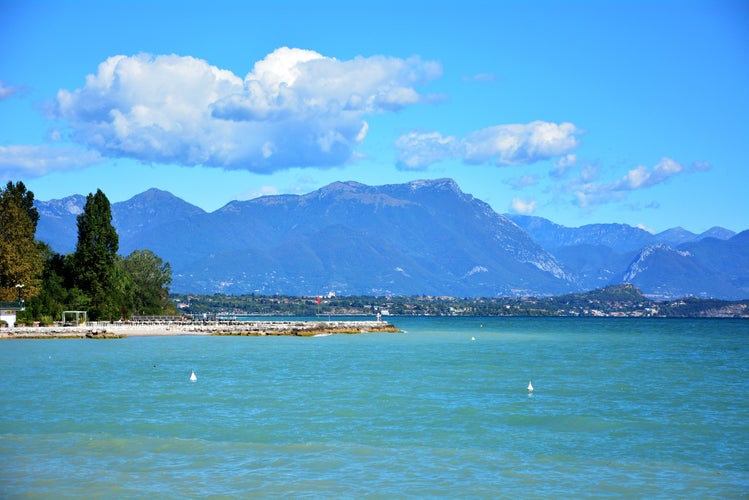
249 328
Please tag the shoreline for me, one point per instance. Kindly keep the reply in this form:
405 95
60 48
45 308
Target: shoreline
249 328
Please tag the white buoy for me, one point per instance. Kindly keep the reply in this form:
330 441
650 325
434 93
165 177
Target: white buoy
530 387
473 338
193 378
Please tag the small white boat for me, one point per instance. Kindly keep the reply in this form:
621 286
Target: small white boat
530 387
193 378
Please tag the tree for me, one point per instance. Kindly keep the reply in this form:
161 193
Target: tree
52 298
150 278
21 260
25 199
95 257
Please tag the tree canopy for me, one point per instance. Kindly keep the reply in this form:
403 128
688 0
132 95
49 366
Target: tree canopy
21 260
150 279
95 256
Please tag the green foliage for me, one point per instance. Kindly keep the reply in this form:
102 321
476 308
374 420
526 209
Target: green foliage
51 297
95 257
25 200
21 260
150 278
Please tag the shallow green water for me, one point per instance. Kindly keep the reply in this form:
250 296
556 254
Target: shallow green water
632 408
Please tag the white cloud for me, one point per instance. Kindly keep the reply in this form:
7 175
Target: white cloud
643 176
295 108
590 193
520 144
514 144
34 161
419 150
562 166
8 91
524 207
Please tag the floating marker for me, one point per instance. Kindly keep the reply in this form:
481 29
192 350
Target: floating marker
473 338
193 378
530 387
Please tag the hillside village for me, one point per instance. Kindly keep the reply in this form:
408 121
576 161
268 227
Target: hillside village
614 301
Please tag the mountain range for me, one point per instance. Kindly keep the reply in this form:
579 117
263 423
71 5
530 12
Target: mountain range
420 238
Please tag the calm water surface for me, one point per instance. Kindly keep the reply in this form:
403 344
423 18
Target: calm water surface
628 408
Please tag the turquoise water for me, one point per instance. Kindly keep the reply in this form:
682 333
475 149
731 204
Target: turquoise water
628 408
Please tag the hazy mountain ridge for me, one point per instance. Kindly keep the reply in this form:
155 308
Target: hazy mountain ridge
404 243
620 237
673 263
56 217
422 237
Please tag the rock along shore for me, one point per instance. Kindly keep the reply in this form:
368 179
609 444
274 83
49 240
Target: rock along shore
249 328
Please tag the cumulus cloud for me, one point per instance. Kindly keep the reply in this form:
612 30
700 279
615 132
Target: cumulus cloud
520 144
513 144
296 108
590 193
643 176
34 161
523 207
419 150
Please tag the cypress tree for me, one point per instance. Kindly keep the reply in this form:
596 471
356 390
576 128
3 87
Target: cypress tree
95 257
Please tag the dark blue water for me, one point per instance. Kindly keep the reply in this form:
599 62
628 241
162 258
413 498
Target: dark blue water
621 407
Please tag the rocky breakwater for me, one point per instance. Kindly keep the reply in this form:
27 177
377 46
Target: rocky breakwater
237 328
59 332
297 328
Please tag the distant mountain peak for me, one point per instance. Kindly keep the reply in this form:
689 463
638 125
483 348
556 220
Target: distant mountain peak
155 192
676 236
157 200
351 190
444 183
340 186
641 262
70 205
718 232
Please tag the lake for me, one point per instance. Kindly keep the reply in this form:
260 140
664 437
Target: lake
620 407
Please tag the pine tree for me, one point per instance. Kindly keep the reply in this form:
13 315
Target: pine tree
95 257
21 260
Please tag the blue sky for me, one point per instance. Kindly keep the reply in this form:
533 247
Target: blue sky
577 111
